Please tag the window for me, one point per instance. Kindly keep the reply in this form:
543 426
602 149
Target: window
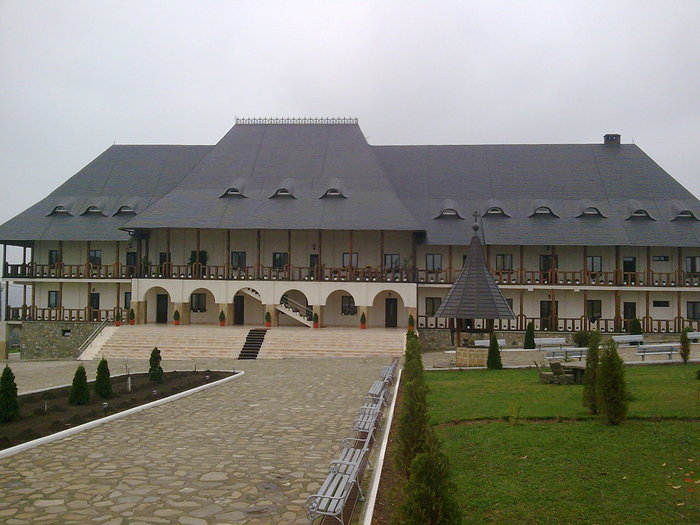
431 305
124 210
592 211
594 309
333 192
433 261
392 261
53 299
504 262
92 209
127 300
495 210
163 257
594 263
510 303
238 259
347 305
198 302
59 210
283 192
53 257
543 210
280 259
202 257
685 214
449 212
640 213
95 257
131 258
694 310
660 258
692 264
547 262
233 192
661 304
346 259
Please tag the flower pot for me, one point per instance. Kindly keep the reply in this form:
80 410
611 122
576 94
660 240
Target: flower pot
177 323
222 323
268 324
363 326
315 325
132 321
117 323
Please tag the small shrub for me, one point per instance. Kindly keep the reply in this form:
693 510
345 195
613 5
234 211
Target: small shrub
268 317
79 391
222 316
363 319
9 404
411 322
635 327
430 495
530 336
132 315
685 345
176 315
118 317
493 360
103 383
581 338
155 372
314 318
611 389
589 375
697 375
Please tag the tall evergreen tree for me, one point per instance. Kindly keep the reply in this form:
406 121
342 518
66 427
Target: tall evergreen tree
685 345
79 391
529 336
9 405
430 495
635 327
493 360
103 383
155 372
611 389
592 358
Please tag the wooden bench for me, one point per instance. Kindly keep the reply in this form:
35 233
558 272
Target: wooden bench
560 375
629 340
694 337
567 353
549 341
333 495
487 342
661 349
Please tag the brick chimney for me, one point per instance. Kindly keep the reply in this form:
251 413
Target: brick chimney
611 139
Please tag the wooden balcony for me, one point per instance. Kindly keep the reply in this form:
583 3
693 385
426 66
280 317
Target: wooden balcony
446 276
34 313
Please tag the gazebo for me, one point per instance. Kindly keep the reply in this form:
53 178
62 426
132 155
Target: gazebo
474 294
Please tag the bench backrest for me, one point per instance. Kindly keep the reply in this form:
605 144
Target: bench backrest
487 342
557 369
693 336
549 341
639 338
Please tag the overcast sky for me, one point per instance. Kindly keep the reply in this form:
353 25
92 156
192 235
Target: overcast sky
77 76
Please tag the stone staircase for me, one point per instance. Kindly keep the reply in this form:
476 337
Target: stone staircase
174 342
283 342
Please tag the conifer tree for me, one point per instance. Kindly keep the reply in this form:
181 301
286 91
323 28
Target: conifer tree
685 345
592 359
9 405
493 360
79 391
155 372
611 389
430 496
635 327
529 336
103 383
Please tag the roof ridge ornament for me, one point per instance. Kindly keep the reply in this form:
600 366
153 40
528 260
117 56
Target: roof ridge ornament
296 121
475 226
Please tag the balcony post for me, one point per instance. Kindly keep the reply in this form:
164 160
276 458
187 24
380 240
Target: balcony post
553 278
227 255
449 264
521 269
618 319
521 309
679 314
259 255
648 273
618 276
289 254
647 318
351 273
414 257
86 271
586 319
381 253
680 278
60 300
7 284
584 267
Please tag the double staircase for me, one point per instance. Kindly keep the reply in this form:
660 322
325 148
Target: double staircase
288 307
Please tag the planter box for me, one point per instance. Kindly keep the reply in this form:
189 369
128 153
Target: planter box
471 357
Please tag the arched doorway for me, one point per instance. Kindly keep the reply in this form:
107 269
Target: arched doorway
203 307
388 311
247 307
159 306
294 301
341 310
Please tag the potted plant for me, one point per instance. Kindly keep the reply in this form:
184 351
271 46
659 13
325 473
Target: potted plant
118 319
176 318
222 318
363 321
411 323
315 320
132 316
268 320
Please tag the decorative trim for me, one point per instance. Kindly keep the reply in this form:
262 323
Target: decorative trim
297 121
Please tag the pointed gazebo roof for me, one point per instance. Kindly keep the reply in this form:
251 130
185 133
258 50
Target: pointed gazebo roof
475 294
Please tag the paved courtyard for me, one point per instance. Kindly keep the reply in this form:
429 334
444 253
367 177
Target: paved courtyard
248 451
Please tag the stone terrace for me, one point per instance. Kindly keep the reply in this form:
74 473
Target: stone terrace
248 451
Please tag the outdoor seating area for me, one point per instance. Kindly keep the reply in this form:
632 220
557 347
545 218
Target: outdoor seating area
558 375
339 492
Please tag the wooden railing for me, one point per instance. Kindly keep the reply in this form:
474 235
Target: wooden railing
34 313
445 276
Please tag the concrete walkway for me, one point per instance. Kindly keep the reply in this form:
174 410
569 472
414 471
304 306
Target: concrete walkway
248 451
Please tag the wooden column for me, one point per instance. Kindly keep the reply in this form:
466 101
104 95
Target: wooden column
167 244
381 248
258 241
350 241
521 307
60 299
7 284
116 252
648 272
679 314
555 312
60 251
414 255
586 320
196 253
647 320
320 256
521 270
584 265
87 255
119 292
24 286
618 317
289 254
449 262
680 276
618 276
227 266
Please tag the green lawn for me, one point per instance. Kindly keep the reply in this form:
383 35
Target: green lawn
549 471
665 390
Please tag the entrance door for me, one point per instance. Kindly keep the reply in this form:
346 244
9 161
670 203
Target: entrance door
629 270
95 306
162 308
313 266
238 309
391 310
548 313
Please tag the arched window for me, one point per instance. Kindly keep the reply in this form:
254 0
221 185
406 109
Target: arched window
543 210
282 192
92 210
232 192
333 192
59 210
449 212
495 210
592 211
685 214
640 213
125 210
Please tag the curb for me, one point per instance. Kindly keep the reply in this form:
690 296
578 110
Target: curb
91 424
372 497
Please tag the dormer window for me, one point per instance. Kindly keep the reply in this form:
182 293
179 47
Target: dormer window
495 210
592 211
333 192
283 192
543 210
59 210
124 210
233 192
640 214
92 210
449 212
686 214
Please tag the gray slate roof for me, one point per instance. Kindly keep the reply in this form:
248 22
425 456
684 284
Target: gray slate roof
474 294
383 187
